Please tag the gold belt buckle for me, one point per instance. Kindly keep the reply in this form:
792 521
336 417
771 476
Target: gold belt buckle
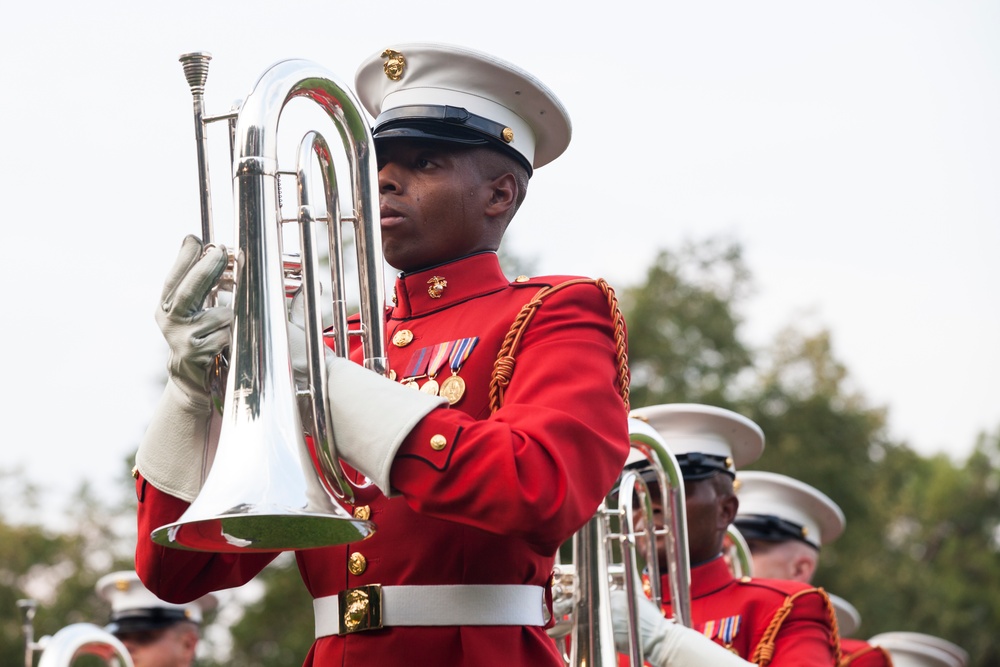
360 609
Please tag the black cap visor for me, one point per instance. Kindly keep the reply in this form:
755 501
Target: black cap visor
447 124
769 528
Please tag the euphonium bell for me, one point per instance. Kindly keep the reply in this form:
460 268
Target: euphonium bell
268 488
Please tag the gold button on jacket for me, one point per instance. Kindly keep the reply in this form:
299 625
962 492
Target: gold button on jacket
357 563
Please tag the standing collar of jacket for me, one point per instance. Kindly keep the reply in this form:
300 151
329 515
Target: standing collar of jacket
707 578
460 280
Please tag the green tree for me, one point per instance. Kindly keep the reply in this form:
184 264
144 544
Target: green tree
941 565
683 325
277 630
820 431
57 569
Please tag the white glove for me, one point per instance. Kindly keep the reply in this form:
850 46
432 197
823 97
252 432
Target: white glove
371 415
195 334
297 334
664 642
177 448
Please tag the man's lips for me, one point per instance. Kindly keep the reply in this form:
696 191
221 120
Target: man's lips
390 216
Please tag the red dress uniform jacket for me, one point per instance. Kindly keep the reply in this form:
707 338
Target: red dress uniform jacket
492 506
766 621
859 653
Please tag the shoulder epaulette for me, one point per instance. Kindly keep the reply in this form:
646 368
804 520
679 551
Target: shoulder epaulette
764 651
503 368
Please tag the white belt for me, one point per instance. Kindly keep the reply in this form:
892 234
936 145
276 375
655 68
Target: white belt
377 606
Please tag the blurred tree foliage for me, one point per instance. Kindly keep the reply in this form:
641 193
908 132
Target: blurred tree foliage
921 551
683 326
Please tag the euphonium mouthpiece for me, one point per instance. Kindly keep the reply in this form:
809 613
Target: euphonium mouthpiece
196 70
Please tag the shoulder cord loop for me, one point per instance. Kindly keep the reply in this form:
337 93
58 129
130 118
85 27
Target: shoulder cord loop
764 652
503 368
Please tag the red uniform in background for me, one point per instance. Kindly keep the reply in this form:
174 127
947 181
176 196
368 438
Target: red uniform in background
859 653
491 501
766 621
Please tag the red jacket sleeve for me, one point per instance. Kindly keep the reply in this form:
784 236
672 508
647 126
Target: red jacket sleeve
176 575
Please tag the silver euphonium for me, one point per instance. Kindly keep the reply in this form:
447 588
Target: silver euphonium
605 557
70 643
268 489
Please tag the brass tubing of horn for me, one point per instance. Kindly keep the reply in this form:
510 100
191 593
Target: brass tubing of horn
741 560
647 440
626 497
314 145
592 642
196 72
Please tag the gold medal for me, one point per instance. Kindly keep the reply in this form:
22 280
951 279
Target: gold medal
453 389
411 383
430 387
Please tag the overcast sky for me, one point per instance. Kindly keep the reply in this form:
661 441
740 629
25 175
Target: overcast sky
852 147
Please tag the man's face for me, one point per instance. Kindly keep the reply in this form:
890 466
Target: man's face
791 559
711 507
433 199
708 515
172 646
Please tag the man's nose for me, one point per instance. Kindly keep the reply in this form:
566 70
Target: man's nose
388 178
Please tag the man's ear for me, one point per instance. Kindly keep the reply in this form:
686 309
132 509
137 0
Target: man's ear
729 505
803 568
503 195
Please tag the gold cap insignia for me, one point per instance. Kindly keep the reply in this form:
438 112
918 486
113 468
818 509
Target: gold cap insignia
507 135
394 64
437 285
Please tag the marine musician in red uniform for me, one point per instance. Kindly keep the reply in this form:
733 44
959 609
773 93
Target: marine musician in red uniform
476 484
765 621
786 523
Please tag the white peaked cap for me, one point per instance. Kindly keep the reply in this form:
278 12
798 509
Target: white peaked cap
692 428
818 519
133 607
452 93
915 649
848 617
